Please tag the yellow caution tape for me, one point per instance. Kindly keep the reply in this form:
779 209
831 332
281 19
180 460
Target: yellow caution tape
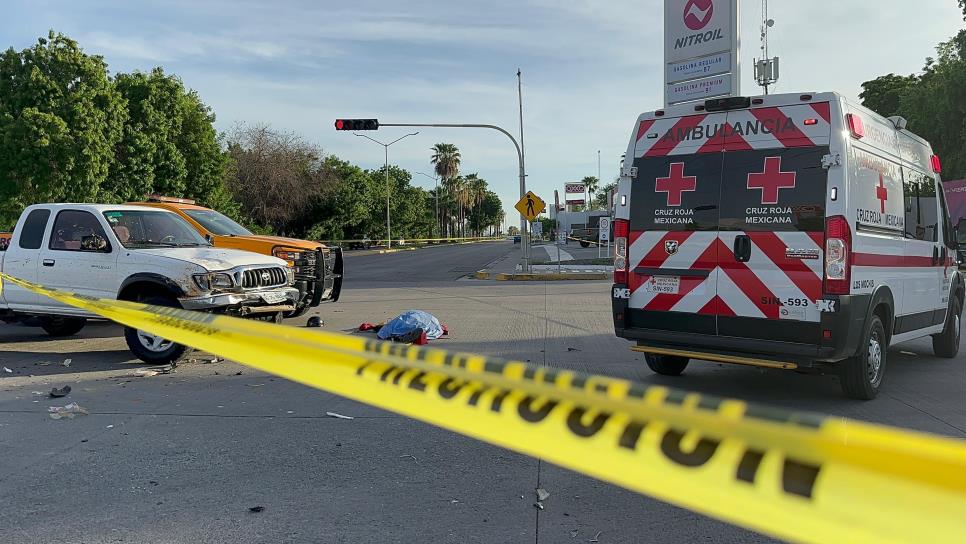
796 476
421 240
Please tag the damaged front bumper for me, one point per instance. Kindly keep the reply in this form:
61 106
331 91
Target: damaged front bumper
281 299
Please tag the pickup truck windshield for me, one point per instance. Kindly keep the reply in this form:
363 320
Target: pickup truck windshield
148 228
217 223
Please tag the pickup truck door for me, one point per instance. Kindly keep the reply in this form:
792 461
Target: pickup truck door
75 261
21 259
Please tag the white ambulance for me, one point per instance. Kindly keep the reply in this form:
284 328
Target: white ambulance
795 231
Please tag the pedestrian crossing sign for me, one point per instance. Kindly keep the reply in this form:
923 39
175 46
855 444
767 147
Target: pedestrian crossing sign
530 206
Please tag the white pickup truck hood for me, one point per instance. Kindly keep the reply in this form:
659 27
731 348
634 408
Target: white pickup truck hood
210 258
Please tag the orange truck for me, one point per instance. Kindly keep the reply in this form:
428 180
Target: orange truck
4 240
318 268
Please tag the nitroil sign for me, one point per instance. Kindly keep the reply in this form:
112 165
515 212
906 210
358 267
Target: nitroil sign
700 40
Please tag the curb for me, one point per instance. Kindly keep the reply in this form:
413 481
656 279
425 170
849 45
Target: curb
552 276
384 251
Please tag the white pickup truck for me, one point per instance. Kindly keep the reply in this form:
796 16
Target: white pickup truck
138 254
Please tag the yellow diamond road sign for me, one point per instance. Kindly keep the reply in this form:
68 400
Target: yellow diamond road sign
530 206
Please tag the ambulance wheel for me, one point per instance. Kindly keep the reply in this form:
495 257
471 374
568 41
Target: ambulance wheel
861 375
667 365
946 344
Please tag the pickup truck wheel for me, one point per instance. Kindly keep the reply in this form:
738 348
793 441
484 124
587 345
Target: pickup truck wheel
667 365
584 243
946 344
861 375
299 310
154 349
62 326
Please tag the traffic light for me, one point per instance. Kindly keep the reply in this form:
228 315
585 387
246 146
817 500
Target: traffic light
357 124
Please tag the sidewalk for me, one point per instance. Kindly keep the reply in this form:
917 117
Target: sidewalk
509 268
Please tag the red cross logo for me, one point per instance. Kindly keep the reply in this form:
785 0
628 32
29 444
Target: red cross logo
675 184
771 180
881 193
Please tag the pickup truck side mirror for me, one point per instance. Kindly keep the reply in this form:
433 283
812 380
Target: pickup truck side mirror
210 238
96 243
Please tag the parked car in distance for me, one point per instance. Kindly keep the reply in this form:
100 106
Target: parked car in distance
137 254
364 243
318 269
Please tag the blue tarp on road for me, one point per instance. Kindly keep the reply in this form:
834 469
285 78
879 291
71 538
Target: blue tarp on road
409 321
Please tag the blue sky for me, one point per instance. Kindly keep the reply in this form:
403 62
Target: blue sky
590 67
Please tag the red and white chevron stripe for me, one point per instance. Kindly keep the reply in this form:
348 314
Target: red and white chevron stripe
731 288
756 128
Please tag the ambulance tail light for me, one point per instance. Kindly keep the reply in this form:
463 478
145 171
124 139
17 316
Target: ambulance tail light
838 255
855 125
621 230
937 166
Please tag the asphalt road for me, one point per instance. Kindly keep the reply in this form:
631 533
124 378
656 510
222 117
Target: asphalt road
182 457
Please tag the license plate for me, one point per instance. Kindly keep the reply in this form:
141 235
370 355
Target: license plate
663 284
273 298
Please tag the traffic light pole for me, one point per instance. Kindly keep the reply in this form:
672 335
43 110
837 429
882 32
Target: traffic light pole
524 233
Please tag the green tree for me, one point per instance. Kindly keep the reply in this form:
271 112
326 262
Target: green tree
933 102
591 182
600 199
446 163
488 212
60 118
169 145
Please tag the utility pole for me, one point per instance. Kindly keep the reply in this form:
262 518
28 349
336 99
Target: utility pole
598 168
766 69
388 189
524 227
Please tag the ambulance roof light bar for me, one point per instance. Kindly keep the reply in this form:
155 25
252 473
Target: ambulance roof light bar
727 103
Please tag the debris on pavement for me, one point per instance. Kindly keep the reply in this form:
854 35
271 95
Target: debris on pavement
542 494
339 416
69 411
7 370
596 537
573 349
538 504
256 509
62 392
314 321
254 384
410 455
67 362
109 427
38 393
145 373
573 533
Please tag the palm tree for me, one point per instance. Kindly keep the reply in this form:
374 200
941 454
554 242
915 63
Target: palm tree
446 164
476 189
592 183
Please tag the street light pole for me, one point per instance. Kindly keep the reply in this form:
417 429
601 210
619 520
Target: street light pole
523 176
386 148
436 180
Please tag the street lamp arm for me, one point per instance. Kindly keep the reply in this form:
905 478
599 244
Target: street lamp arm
373 139
449 125
401 137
